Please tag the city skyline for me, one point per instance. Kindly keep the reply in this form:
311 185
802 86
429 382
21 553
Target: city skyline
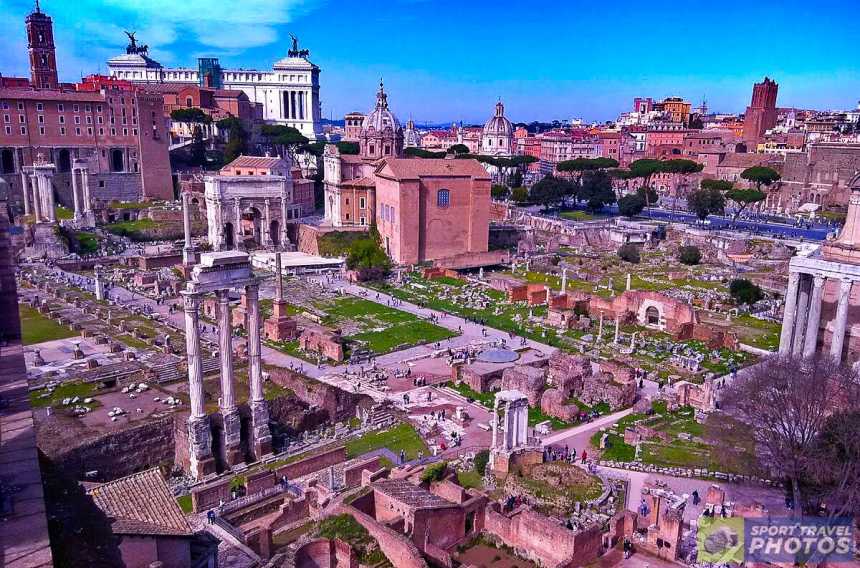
456 70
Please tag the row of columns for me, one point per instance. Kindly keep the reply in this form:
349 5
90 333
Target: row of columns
515 433
295 106
802 316
200 446
39 193
82 202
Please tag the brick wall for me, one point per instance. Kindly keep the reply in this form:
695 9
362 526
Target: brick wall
8 290
339 404
397 548
210 495
353 474
312 463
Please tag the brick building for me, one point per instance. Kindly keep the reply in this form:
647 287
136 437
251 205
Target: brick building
116 130
760 116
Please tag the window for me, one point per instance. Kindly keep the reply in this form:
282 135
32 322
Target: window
7 119
41 131
77 131
20 106
443 198
9 130
76 108
189 102
88 108
40 107
101 131
90 131
60 108
89 120
361 203
23 130
77 120
62 119
62 131
113 131
21 119
41 119
98 108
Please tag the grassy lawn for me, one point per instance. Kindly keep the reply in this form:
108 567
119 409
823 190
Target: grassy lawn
400 437
185 504
88 243
62 213
66 390
132 229
384 329
470 479
37 328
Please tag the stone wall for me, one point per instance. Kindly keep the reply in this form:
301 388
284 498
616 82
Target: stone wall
313 463
396 547
119 453
8 292
352 475
339 404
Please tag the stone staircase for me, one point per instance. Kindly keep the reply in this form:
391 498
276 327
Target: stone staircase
380 417
169 372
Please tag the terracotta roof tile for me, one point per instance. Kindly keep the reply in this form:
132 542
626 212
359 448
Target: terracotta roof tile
414 168
254 162
50 95
141 503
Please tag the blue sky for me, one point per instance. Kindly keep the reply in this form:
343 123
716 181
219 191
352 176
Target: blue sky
450 60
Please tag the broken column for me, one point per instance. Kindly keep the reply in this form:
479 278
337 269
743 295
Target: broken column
99 286
564 280
261 434
75 200
188 255
279 326
229 411
201 462
628 282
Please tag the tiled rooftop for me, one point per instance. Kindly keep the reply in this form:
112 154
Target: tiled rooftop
409 494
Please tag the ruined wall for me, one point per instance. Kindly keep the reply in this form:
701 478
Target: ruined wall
313 463
541 539
352 475
339 404
117 454
397 548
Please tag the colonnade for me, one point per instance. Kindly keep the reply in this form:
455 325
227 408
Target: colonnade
200 442
38 188
81 194
802 317
516 409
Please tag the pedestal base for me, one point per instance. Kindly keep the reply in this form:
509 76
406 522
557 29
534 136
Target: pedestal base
261 434
200 460
232 438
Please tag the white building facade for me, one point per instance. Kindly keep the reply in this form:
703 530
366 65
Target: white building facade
289 93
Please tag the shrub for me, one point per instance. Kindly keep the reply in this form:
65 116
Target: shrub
689 255
520 194
744 291
629 253
482 458
434 472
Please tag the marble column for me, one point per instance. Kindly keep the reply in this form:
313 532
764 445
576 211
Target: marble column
814 320
837 339
267 237
49 191
284 239
495 425
788 315
25 188
262 436
229 412
75 199
563 280
188 250
802 314
237 230
628 282
85 186
201 462
37 198
617 330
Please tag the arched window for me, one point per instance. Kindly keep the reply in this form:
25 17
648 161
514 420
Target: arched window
652 316
189 102
443 198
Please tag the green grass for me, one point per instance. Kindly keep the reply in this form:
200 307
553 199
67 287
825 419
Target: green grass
580 216
400 437
402 336
347 529
88 243
487 399
134 230
62 213
470 479
184 502
337 243
37 328
66 390
129 205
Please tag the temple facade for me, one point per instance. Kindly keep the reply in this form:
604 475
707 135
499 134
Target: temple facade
822 305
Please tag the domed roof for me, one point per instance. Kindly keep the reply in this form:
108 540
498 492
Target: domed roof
499 125
380 118
411 137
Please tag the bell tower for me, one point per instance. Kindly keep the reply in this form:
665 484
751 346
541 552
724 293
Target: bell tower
40 45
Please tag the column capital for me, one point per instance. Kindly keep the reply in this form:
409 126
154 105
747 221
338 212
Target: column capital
223 296
845 285
252 291
192 301
818 280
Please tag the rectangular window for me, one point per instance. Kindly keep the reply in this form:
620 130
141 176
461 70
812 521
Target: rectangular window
88 108
62 119
113 131
89 120
9 130
40 107
76 108
41 119
21 119
60 108
101 131
90 131
98 108
77 120
20 106
23 130
125 131
41 131
62 131
77 131
361 203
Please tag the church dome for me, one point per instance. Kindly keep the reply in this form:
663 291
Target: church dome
380 118
499 125
411 137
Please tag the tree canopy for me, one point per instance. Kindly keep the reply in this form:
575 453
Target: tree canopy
520 194
549 191
718 184
348 148
586 164
414 152
237 138
743 198
499 192
760 175
629 253
706 201
190 114
459 149
368 259
596 190
689 255
744 291
631 205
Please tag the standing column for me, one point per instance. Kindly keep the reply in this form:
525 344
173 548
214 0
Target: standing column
229 412
199 436
75 199
267 237
262 436
25 188
37 198
787 332
802 314
85 185
814 319
564 280
238 230
188 250
284 240
837 339
49 194
495 424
